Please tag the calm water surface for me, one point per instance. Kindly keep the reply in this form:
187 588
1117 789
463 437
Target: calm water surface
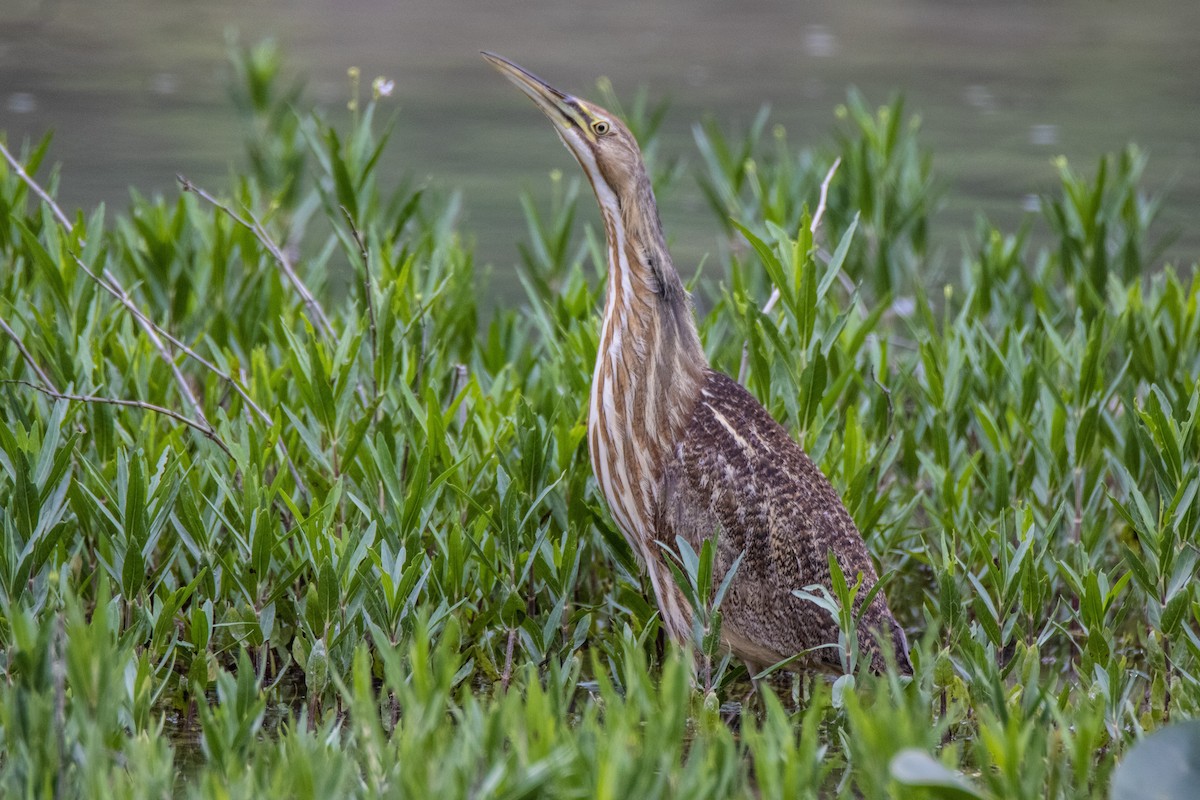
135 90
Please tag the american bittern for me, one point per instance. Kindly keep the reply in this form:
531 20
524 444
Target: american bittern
681 450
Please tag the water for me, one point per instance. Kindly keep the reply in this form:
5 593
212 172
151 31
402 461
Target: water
135 90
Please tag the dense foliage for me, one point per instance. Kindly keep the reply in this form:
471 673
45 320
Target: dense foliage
335 544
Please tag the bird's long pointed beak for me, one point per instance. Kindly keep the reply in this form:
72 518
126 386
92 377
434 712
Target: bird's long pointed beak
561 108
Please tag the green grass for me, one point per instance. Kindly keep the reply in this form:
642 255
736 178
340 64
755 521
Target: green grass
363 554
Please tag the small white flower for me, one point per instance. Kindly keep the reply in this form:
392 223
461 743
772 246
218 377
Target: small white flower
383 87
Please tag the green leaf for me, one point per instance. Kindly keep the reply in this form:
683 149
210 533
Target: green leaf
1172 615
838 259
328 591
1086 434
1165 432
843 686
812 388
1163 766
135 519
344 186
133 572
917 769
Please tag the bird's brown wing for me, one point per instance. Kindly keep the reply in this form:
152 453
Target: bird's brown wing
737 474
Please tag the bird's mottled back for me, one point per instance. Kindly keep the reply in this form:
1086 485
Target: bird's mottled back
737 472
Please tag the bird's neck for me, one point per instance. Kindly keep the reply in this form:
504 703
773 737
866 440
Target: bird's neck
649 366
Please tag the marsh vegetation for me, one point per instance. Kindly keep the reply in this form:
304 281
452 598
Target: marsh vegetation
267 533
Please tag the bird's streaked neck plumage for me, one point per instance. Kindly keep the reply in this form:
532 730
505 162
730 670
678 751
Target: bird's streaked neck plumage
649 365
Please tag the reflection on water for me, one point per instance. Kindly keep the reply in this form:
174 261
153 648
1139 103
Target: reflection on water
134 89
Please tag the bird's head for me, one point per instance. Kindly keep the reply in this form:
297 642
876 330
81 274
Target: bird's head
600 142
612 160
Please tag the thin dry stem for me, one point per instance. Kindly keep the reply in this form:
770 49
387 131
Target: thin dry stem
315 312
114 287
506 675
29 359
111 285
457 384
368 293
775 293
813 226
35 188
58 676
285 265
203 428
107 281
820 212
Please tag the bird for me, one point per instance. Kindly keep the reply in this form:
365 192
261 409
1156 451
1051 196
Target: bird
681 451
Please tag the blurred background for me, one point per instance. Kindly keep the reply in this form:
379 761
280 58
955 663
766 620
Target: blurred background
136 91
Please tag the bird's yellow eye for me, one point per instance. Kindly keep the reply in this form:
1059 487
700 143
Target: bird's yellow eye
601 127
